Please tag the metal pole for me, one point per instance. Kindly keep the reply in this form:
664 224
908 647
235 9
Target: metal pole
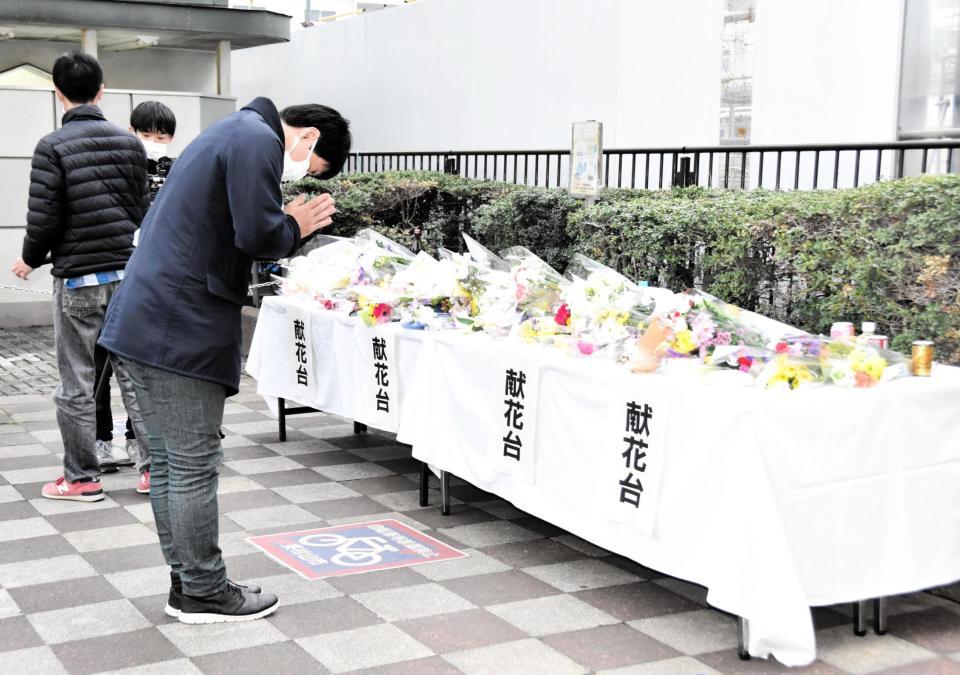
88 41
444 493
424 484
880 616
223 68
860 618
282 418
743 638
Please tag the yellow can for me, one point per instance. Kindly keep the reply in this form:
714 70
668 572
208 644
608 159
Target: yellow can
922 358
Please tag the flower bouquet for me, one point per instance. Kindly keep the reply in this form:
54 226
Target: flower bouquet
433 293
493 301
536 285
850 364
602 307
791 364
324 274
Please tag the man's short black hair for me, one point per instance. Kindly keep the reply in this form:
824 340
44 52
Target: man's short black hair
78 76
153 116
334 142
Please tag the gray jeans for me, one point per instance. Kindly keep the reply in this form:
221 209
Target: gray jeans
77 319
182 416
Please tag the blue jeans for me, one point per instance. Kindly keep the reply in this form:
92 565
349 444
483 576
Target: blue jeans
182 416
77 319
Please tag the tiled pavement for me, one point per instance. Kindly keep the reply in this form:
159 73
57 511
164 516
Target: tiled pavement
82 586
28 363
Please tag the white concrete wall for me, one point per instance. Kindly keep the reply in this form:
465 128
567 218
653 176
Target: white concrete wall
504 74
513 74
669 73
827 71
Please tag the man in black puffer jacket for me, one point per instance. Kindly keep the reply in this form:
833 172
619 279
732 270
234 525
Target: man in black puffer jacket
88 194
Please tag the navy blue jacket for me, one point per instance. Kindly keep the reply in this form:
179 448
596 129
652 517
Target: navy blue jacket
178 308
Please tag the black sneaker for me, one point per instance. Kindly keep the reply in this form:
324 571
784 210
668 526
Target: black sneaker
234 603
175 598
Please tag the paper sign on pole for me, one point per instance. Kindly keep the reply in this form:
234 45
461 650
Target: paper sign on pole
586 159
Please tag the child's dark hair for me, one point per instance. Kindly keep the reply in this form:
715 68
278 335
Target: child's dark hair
153 116
78 76
334 142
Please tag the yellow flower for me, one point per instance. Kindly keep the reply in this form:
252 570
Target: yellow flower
792 375
874 366
871 364
683 342
527 331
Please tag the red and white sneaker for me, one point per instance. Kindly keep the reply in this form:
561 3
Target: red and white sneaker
143 484
90 491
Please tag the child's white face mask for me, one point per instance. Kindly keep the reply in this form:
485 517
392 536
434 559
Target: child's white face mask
154 150
292 169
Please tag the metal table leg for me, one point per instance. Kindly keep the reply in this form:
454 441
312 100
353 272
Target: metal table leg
282 418
424 484
860 618
444 493
743 638
359 428
880 616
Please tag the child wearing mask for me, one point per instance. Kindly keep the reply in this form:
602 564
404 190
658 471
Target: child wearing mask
154 124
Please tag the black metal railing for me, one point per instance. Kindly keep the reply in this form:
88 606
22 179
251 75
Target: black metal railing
780 167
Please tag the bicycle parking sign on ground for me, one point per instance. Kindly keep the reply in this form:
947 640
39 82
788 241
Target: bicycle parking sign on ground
354 548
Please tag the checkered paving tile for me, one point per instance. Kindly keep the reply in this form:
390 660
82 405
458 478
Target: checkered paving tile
82 586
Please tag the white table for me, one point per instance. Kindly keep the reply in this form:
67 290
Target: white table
775 501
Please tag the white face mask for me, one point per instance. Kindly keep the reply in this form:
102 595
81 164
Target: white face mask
154 150
292 169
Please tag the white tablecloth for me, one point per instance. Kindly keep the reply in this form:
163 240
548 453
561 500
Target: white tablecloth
775 501
336 361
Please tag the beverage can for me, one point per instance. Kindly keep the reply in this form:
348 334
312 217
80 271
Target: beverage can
922 358
842 330
878 341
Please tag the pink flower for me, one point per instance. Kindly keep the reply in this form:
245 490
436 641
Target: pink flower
382 313
586 348
562 316
782 348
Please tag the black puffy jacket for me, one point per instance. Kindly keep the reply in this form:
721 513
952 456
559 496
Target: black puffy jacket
88 194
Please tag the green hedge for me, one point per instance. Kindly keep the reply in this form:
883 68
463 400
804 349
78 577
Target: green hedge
888 252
